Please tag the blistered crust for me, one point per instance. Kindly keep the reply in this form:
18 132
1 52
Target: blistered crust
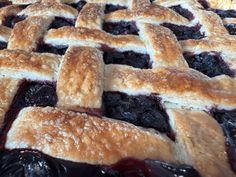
183 87
162 46
200 142
26 34
223 44
83 138
93 38
50 9
34 66
222 4
91 16
149 14
8 87
25 2
80 81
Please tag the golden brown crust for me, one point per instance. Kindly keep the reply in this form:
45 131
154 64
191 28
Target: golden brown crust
116 2
90 16
149 14
222 4
162 46
5 33
93 38
8 87
80 81
7 11
25 2
21 64
83 138
50 9
26 34
184 87
203 142
225 44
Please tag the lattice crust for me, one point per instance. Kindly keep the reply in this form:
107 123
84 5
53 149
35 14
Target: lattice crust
82 78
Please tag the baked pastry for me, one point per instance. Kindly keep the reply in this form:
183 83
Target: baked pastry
115 88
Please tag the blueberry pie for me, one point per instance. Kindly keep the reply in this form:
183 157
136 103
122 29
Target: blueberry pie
118 88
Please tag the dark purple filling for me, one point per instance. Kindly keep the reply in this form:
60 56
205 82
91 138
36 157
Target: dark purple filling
231 28
204 3
227 120
79 6
60 22
29 163
3 4
3 45
209 63
10 21
184 12
224 13
145 111
33 93
185 32
46 48
137 60
121 28
30 93
112 8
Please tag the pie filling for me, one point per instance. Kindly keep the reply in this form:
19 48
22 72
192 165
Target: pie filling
144 111
78 5
29 163
3 4
3 45
224 13
30 93
60 22
209 63
185 32
121 28
204 3
131 58
231 28
112 8
10 21
227 120
47 48
184 12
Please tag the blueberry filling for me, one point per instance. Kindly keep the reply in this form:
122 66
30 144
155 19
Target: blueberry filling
204 3
231 28
184 12
209 63
60 22
33 93
185 32
3 45
137 60
10 21
30 93
46 48
227 120
121 28
224 13
145 111
3 4
112 8
79 6
30 163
